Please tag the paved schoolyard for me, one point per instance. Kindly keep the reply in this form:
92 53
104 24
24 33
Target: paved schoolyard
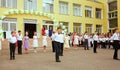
73 59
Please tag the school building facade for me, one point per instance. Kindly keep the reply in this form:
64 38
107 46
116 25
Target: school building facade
76 15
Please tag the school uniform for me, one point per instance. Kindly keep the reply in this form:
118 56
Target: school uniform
86 37
95 38
90 42
115 45
107 42
19 37
80 40
12 41
103 42
100 43
53 42
57 46
62 44
111 42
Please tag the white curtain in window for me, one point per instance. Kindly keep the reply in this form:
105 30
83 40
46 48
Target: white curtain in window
3 3
9 3
63 8
30 4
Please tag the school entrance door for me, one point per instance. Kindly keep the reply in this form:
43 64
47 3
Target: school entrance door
30 28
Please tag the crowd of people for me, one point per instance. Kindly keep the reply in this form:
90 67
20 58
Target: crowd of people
62 41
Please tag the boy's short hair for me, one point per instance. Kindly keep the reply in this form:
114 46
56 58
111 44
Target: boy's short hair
12 32
19 31
59 28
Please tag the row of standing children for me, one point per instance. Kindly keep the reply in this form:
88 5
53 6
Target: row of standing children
16 40
86 40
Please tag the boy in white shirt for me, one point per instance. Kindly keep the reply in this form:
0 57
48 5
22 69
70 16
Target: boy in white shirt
12 41
19 37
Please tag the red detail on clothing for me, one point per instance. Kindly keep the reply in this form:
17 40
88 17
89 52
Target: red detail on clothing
73 37
43 31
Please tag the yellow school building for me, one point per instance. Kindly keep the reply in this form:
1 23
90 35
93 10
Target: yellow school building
76 15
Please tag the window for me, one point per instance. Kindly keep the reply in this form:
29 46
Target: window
113 14
113 23
9 3
112 6
66 24
48 5
63 8
8 25
30 4
77 11
99 28
98 13
89 28
5 26
88 12
77 28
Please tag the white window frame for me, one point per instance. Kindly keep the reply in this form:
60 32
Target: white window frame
99 12
29 5
48 9
65 9
77 27
88 8
9 22
91 28
9 3
77 12
99 29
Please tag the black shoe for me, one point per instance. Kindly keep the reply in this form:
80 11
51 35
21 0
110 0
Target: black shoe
10 58
13 58
116 59
61 55
58 61
95 52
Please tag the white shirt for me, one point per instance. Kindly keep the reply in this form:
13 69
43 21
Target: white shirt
46 32
58 37
86 36
53 37
115 36
103 39
111 40
44 38
80 38
95 37
19 37
62 38
12 39
100 39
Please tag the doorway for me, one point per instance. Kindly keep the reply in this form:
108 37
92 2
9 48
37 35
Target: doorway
30 28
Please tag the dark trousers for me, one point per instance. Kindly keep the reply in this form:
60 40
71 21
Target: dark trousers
95 47
57 50
116 47
53 46
19 47
61 49
86 44
12 51
103 45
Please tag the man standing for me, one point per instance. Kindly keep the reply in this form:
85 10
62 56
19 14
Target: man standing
116 39
58 44
19 37
95 38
